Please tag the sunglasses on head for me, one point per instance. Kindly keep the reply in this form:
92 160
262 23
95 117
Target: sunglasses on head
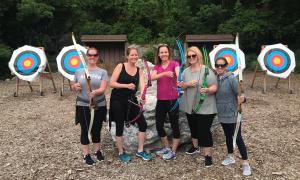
191 56
220 65
92 55
162 45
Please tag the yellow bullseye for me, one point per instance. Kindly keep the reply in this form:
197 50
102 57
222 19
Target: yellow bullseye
228 59
276 60
27 63
74 61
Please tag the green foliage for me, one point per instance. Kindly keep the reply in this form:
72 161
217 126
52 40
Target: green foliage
5 53
251 60
149 55
297 54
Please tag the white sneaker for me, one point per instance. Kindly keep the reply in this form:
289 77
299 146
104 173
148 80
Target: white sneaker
246 169
229 159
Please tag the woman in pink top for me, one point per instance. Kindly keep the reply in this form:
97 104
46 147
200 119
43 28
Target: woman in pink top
165 72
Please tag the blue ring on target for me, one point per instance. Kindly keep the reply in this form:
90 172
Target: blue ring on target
228 51
65 62
283 56
33 56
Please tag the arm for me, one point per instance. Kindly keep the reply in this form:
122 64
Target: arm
142 82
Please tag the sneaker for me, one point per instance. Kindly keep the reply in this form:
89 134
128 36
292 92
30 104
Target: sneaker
246 169
229 159
124 157
162 151
88 160
193 150
208 161
169 156
145 156
99 155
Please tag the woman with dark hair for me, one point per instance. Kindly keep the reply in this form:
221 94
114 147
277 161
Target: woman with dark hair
227 103
125 80
165 72
98 84
199 116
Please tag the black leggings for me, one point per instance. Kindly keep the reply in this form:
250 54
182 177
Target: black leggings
200 125
163 108
229 132
121 111
83 117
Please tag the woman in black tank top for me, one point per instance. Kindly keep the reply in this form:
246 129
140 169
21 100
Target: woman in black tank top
125 80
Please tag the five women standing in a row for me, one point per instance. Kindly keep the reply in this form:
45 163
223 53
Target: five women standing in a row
125 80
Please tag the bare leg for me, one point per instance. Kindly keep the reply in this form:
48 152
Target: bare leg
119 143
195 142
141 140
96 147
175 144
165 142
207 151
85 149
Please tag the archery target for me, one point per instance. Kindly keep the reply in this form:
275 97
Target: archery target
278 60
231 53
26 62
68 61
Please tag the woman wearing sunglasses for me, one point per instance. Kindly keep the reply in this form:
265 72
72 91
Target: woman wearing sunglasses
125 81
199 119
165 72
98 84
227 102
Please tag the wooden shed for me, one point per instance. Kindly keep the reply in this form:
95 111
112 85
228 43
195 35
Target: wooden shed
112 48
208 40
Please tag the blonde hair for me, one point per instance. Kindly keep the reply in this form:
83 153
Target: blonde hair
198 53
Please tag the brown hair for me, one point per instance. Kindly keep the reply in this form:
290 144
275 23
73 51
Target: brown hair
92 48
128 50
157 58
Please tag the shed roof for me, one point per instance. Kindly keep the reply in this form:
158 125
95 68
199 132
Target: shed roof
209 38
104 38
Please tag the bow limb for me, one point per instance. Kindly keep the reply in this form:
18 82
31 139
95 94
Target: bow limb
88 83
239 91
204 82
179 78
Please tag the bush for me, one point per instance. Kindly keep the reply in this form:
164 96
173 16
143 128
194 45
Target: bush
297 59
5 54
251 61
149 55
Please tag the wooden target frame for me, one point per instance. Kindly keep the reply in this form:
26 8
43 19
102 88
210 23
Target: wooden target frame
263 73
44 74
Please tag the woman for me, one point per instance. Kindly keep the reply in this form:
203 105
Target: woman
98 85
200 119
165 72
227 102
125 80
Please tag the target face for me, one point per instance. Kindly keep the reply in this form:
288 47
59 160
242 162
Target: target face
278 60
27 61
231 53
68 61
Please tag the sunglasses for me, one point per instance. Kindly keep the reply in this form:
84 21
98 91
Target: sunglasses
191 56
220 65
92 55
162 45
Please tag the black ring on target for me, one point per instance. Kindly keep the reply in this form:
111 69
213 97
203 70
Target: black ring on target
277 61
230 55
27 62
71 61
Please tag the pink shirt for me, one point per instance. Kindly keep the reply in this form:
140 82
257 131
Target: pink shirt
167 86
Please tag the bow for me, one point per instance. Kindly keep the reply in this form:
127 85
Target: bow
143 96
179 79
89 88
239 107
204 83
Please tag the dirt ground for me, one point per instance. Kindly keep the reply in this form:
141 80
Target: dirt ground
38 139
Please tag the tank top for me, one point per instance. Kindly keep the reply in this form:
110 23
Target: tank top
125 78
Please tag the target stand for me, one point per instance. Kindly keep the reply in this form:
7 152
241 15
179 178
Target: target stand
42 74
64 84
263 73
